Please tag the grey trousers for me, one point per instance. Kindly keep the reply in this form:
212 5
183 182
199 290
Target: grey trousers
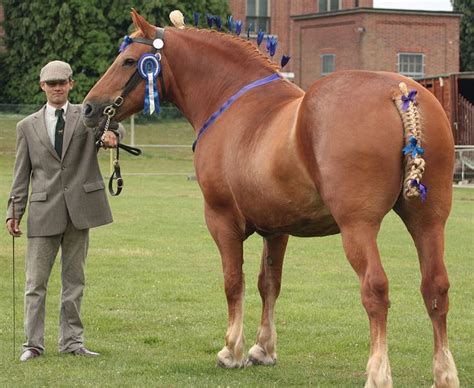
40 256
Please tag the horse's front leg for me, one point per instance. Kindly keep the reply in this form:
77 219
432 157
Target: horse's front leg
229 238
269 284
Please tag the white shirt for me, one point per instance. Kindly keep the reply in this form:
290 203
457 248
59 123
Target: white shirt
51 119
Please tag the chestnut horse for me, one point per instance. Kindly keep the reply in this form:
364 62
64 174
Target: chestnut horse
279 161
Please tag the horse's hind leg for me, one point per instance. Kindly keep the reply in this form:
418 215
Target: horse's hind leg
269 284
359 242
427 230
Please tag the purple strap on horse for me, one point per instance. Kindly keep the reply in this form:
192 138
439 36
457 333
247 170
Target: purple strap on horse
230 101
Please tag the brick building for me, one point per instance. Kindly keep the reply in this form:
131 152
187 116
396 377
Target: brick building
323 36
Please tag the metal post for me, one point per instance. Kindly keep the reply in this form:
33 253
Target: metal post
13 277
132 131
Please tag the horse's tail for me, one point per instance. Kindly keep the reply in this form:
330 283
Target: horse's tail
413 151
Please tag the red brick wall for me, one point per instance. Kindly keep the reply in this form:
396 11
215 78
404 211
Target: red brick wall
280 22
437 37
371 41
360 39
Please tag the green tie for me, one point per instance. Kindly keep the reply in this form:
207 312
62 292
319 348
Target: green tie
58 135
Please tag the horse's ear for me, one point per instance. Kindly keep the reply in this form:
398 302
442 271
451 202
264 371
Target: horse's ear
140 22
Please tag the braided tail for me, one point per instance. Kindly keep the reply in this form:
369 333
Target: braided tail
413 151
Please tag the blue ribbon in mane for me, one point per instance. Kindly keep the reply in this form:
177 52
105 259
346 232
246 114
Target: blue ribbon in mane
230 101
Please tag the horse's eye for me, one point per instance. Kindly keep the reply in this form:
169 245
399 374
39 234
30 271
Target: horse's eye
129 62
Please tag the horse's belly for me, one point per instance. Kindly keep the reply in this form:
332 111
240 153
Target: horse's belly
297 217
323 226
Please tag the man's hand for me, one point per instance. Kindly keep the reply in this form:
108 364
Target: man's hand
13 227
109 139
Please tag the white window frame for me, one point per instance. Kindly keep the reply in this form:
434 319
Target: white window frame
328 6
257 14
323 56
410 72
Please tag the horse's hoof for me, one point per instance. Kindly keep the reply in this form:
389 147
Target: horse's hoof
225 359
378 372
251 361
258 356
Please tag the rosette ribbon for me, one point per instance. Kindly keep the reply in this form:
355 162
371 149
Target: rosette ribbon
149 68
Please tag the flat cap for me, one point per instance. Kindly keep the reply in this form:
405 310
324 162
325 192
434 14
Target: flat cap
55 71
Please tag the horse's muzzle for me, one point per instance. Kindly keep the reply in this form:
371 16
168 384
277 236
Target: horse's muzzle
92 112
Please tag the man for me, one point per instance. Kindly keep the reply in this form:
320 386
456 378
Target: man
57 154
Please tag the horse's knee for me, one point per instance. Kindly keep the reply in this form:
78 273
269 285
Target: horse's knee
268 284
435 294
439 285
375 292
233 284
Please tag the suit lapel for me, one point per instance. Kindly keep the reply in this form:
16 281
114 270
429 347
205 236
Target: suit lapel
39 125
72 117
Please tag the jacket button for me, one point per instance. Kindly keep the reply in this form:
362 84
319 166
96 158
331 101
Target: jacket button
66 188
63 168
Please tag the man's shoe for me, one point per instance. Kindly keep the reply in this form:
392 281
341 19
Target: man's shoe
29 354
84 352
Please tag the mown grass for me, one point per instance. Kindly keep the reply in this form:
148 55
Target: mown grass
155 307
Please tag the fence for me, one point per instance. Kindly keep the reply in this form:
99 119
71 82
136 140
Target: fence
464 165
464 126
463 173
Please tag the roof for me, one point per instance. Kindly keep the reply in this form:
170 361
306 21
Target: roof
376 11
461 75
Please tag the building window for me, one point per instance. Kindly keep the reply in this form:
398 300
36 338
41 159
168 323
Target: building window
258 15
411 65
328 64
328 5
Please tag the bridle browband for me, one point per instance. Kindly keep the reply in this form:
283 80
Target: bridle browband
111 110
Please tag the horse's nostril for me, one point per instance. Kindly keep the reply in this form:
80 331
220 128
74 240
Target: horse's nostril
88 110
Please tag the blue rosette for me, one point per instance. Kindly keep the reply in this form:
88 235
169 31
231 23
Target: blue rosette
149 68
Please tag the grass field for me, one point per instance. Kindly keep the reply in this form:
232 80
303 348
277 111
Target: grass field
155 307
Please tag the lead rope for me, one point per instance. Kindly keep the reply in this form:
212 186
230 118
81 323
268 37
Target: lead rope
110 111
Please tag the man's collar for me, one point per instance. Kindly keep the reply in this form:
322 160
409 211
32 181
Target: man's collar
53 109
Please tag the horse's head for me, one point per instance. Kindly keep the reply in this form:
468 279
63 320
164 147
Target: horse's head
121 89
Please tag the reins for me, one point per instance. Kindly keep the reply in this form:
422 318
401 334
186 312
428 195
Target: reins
133 81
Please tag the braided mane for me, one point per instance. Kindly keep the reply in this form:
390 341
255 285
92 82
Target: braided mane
248 47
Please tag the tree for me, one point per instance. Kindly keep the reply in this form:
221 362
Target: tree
467 33
85 33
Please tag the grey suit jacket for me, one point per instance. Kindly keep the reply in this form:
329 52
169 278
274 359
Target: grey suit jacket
60 187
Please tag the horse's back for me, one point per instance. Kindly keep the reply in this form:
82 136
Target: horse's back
352 136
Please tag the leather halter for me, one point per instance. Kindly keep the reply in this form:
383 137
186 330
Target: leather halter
111 110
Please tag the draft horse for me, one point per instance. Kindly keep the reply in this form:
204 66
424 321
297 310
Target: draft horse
275 160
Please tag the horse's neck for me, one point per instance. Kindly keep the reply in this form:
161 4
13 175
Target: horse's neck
205 70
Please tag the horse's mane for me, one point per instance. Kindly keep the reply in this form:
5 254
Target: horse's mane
248 47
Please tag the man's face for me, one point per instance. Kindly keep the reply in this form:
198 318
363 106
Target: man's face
57 92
